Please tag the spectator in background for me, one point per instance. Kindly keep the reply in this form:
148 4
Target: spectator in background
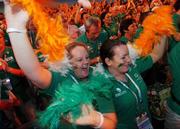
94 37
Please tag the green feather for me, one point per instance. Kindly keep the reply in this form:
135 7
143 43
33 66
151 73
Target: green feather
69 99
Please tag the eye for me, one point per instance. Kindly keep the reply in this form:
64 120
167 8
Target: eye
123 58
79 60
87 58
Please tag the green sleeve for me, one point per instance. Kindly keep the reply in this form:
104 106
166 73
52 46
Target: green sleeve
56 79
144 63
174 62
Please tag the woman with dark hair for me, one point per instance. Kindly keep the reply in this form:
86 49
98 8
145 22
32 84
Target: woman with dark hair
128 29
129 90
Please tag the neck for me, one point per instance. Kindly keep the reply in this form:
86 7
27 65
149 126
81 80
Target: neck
118 76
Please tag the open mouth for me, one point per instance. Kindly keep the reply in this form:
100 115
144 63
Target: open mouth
85 70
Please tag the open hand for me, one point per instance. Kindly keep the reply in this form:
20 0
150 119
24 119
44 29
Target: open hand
88 117
16 17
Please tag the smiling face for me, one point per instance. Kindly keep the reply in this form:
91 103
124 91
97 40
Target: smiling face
80 61
93 32
120 61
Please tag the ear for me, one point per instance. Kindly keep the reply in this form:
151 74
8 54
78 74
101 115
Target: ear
108 61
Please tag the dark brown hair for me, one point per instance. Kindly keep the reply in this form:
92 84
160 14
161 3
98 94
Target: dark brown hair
107 49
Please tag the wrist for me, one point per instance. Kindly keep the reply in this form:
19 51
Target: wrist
16 30
98 121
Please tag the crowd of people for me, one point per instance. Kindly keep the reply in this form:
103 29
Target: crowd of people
106 83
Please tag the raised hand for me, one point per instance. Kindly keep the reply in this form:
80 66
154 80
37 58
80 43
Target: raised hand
88 117
85 3
16 17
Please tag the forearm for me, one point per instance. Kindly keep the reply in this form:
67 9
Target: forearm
109 121
159 49
17 19
104 121
14 71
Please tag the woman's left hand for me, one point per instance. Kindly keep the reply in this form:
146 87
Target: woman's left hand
88 117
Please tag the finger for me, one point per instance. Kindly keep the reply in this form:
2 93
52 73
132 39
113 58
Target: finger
11 95
86 109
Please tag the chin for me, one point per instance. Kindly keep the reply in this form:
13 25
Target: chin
85 75
125 70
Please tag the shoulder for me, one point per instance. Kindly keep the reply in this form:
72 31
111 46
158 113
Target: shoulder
81 38
103 33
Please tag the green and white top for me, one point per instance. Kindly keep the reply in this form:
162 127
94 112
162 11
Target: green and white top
70 93
130 98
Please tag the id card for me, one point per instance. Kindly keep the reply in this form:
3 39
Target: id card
143 122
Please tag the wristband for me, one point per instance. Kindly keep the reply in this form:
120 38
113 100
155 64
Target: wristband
101 121
15 30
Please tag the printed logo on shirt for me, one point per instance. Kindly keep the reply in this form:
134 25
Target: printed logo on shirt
119 92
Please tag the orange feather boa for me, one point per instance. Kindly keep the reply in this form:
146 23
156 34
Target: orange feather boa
53 37
155 26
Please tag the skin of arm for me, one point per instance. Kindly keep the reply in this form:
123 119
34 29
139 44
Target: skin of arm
14 71
24 54
28 62
93 118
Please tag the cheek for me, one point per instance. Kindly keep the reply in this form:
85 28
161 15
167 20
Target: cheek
75 66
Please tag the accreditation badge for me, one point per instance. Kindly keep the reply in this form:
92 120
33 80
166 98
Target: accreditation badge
143 122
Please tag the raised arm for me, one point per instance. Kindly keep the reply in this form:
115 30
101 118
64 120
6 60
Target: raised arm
158 50
16 23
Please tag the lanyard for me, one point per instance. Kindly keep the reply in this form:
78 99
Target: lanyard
136 86
74 79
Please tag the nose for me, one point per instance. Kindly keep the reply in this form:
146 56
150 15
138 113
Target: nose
128 60
86 61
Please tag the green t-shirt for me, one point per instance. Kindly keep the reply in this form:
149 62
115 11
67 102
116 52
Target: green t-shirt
101 104
124 100
95 45
174 63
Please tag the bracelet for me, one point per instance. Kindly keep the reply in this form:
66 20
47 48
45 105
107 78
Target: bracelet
101 121
15 30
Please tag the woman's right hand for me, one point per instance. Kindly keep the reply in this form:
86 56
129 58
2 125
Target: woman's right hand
16 17
89 116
